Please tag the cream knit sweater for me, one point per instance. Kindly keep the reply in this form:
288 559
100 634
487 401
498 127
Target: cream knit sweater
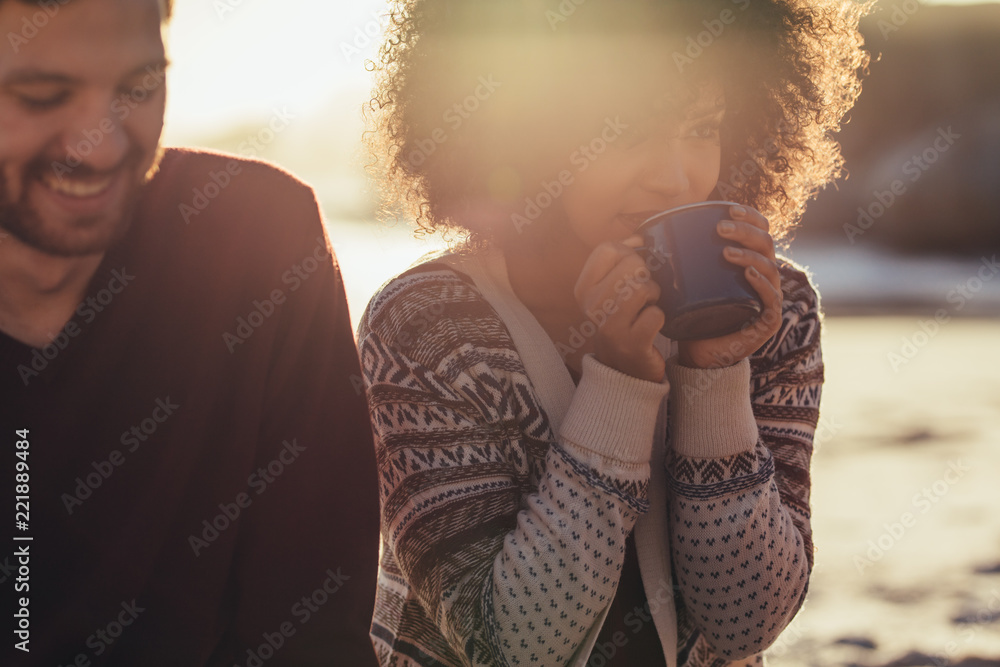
507 492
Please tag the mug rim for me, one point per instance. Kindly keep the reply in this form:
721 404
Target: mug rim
650 221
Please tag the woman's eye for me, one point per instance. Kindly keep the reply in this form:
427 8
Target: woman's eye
706 131
43 103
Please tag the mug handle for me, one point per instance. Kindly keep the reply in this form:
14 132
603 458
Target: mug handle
662 265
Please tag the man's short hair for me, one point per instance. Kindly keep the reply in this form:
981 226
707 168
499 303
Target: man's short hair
166 6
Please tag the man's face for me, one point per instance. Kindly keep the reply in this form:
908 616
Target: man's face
82 98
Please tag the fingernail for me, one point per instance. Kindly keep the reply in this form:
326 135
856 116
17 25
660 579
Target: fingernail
754 273
738 211
727 227
734 252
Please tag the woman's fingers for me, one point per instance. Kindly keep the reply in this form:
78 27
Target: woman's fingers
603 259
750 259
748 235
752 249
750 215
621 292
616 290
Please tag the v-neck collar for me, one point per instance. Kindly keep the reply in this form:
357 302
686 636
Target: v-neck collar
542 362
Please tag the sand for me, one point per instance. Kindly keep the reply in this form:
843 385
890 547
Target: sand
905 498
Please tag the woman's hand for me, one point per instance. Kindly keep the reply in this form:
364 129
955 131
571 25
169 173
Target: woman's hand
615 291
751 231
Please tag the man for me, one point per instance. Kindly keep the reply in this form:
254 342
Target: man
188 471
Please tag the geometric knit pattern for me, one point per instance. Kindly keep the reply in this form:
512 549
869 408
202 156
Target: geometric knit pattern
502 544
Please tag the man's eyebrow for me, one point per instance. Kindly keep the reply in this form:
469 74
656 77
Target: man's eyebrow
32 75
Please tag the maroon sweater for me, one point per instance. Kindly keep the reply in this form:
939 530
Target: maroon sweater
202 477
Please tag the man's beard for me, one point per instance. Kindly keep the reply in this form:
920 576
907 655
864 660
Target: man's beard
21 220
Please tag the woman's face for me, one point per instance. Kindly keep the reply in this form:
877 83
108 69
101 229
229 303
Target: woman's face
635 171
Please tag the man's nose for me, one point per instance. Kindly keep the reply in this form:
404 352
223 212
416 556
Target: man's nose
96 137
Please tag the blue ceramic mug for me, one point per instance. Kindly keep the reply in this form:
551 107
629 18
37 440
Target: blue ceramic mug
701 293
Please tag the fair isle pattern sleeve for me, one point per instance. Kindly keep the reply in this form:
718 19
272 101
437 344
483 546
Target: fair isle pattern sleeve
501 544
740 533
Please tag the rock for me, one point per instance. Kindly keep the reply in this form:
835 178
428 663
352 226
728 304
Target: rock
977 662
862 642
918 659
981 617
988 569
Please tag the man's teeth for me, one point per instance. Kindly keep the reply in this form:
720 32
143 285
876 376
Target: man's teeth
74 188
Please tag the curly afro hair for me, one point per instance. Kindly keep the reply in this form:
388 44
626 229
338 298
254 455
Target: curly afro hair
478 103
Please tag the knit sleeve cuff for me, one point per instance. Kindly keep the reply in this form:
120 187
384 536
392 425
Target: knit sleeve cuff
711 415
613 414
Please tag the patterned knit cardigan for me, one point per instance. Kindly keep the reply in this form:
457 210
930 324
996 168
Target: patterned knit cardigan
501 544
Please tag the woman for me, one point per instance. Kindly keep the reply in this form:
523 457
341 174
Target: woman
561 484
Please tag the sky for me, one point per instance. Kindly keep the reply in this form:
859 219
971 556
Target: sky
237 60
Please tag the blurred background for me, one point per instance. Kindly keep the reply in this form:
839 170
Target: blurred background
906 499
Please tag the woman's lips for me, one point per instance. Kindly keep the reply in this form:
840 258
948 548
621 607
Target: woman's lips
632 221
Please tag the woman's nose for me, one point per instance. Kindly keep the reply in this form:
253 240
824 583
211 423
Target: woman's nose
665 172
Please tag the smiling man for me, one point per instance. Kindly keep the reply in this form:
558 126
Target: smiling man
188 466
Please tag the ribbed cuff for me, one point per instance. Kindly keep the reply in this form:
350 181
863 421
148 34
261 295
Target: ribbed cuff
710 414
613 414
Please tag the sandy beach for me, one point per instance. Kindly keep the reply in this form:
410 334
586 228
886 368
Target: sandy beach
905 485
904 500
